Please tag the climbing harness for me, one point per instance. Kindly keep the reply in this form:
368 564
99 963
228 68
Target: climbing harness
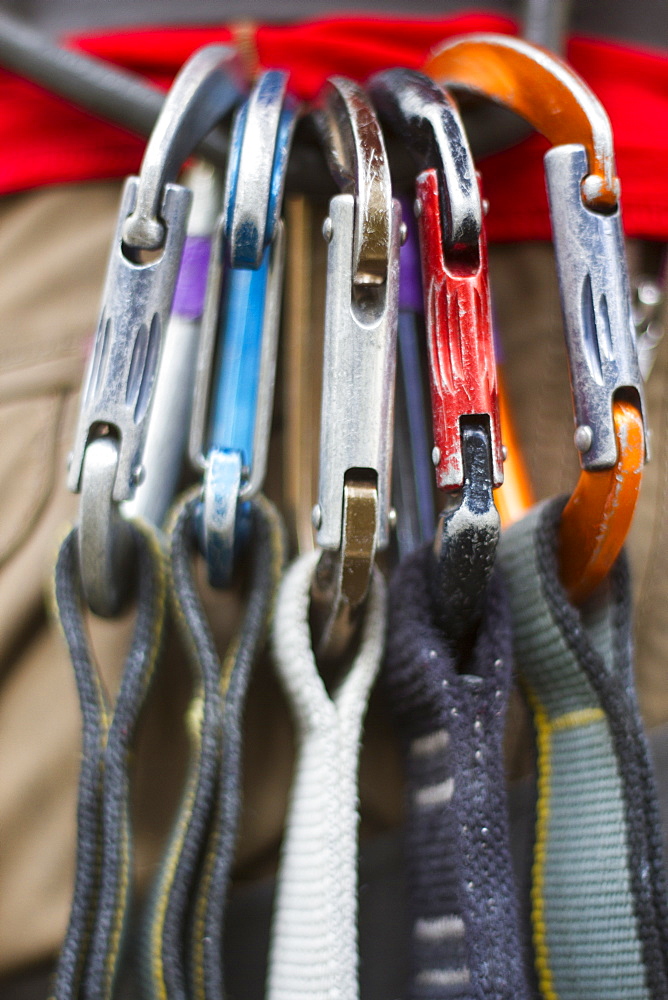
584 207
106 461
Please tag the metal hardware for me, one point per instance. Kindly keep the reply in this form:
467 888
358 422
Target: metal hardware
206 88
460 338
648 306
584 195
358 377
167 436
237 361
363 232
356 155
546 23
598 515
137 300
540 88
596 304
466 538
467 439
105 543
454 265
428 122
412 478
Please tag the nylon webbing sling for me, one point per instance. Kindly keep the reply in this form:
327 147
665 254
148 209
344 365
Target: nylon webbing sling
314 934
599 892
92 948
450 717
186 919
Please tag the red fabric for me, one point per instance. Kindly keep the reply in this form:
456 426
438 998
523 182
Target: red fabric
46 141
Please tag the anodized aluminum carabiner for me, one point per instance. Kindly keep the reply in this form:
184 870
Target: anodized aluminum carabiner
236 369
412 468
106 462
467 450
584 207
352 516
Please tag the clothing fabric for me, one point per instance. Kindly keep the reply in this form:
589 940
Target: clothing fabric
600 925
450 714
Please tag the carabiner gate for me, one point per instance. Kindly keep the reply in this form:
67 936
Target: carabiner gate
352 516
106 461
236 369
467 449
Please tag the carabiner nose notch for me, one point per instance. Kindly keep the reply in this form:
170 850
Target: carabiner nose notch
356 155
206 88
427 120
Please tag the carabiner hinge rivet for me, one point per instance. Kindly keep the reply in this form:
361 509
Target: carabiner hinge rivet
583 438
328 229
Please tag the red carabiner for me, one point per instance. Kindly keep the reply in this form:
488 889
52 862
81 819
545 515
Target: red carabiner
459 334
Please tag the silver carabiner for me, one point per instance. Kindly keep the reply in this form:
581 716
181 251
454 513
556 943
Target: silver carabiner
137 300
363 229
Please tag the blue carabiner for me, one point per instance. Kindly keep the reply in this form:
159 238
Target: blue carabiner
232 412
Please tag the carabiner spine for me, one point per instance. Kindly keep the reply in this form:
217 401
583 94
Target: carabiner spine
197 440
460 340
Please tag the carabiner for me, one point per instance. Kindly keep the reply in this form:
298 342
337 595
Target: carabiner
167 437
106 461
467 451
412 468
234 393
586 222
352 516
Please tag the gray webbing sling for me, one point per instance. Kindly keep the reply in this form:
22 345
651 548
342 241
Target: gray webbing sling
599 895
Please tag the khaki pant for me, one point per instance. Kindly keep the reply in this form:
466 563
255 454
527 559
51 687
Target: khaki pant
53 250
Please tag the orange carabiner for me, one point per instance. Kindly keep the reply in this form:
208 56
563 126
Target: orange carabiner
542 89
